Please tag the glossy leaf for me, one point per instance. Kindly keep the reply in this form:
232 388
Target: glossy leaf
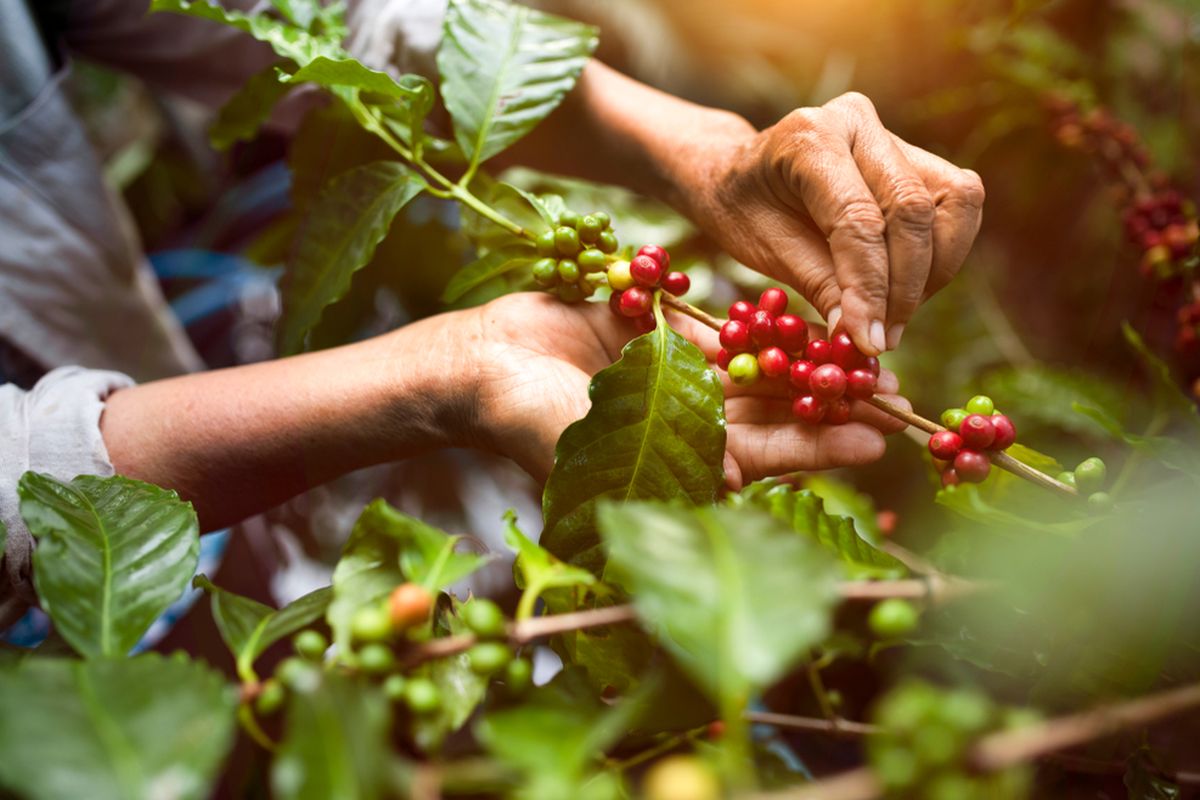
113 729
334 72
336 745
968 500
808 514
249 627
338 238
1044 394
286 40
244 113
733 594
536 570
112 554
460 688
656 430
301 13
385 549
487 268
504 68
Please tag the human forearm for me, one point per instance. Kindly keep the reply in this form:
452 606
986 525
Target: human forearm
238 441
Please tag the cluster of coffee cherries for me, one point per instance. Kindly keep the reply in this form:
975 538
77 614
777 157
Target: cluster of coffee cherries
1098 132
961 451
1089 478
1164 227
633 284
378 631
926 734
1187 336
574 255
765 342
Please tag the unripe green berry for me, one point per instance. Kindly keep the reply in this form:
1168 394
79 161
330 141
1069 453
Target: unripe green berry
619 276
895 766
953 417
545 271
1101 501
546 246
568 219
893 617
394 686
590 228
270 697
484 618
1090 475
297 674
935 745
310 644
981 404
968 711
518 676
607 242
486 658
1068 478
743 369
568 270
371 624
376 659
592 260
421 696
603 218
570 293
566 241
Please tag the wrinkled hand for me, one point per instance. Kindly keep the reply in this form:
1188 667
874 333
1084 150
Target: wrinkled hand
536 357
863 224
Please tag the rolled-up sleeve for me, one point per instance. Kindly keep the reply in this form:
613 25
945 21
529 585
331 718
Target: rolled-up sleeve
53 428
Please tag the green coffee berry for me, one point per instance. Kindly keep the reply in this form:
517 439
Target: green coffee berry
603 218
546 244
568 270
486 658
1101 501
953 417
297 674
1090 475
590 228
607 242
743 369
270 697
371 624
592 260
570 293
893 617
310 644
376 658
981 404
1068 478
545 271
394 686
566 241
518 676
422 697
485 618
568 219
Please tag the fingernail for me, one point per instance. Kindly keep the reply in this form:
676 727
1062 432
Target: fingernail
876 336
894 334
835 316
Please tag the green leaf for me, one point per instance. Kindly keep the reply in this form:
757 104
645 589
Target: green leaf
147 727
337 744
733 594
244 113
535 570
1045 394
509 201
112 554
335 72
460 688
486 268
808 514
287 41
385 549
301 13
249 627
968 501
554 739
1167 393
339 235
504 68
655 431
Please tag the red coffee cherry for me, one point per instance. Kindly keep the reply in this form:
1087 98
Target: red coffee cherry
860 384
792 333
843 352
801 371
646 323
635 302
828 381
838 412
950 478
977 432
809 408
871 364
773 361
774 301
1006 432
762 329
658 253
735 336
646 270
945 445
742 311
972 466
818 352
614 302
676 283
723 358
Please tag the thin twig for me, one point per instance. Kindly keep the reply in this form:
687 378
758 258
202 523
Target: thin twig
1008 748
837 725
692 311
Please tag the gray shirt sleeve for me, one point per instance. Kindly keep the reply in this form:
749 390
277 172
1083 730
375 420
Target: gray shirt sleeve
53 428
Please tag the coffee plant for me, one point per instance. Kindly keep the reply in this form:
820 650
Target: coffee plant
1054 614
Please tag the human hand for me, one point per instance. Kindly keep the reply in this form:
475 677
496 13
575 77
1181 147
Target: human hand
534 358
828 201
